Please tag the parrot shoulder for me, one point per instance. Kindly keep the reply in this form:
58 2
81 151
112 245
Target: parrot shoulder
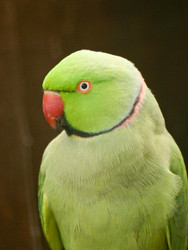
177 231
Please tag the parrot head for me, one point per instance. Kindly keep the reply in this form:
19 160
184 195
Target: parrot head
90 93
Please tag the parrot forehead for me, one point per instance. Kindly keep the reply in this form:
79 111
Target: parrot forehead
89 58
87 65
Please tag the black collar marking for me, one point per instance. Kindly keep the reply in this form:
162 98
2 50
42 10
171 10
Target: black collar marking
62 124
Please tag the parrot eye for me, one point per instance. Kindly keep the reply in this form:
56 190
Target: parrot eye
84 86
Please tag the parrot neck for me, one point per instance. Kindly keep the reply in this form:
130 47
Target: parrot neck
123 123
136 107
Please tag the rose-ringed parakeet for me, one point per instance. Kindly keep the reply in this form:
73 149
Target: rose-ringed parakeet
113 178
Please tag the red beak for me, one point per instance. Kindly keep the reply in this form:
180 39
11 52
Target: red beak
52 107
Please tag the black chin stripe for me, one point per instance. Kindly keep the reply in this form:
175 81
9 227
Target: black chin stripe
62 124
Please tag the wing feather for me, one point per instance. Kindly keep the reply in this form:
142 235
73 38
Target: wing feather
177 232
48 221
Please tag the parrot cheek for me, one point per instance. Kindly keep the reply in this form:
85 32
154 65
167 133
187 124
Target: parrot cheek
53 107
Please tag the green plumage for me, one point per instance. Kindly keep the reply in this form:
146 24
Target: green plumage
122 189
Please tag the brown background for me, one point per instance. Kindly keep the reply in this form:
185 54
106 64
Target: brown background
34 36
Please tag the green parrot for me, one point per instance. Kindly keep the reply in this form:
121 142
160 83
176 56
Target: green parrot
113 178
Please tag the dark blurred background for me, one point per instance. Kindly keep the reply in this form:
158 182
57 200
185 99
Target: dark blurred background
36 35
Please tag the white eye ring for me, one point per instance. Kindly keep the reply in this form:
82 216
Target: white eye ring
84 86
